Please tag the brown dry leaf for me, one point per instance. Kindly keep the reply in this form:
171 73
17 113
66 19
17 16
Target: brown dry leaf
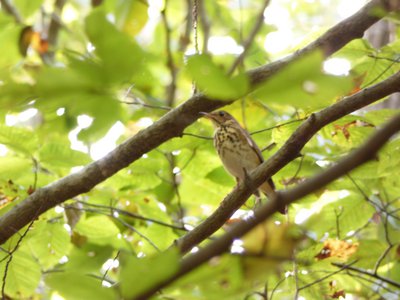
337 248
338 294
357 82
8 193
344 129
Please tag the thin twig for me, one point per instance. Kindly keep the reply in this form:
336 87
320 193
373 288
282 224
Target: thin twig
359 229
189 160
381 285
279 125
296 278
148 105
113 216
337 217
109 268
368 273
365 196
175 184
250 38
184 40
198 136
276 287
195 13
382 73
10 257
293 179
126 213
171 88
35 173
53 31
384 58
11 10
205 24
327 276
381 258
136 231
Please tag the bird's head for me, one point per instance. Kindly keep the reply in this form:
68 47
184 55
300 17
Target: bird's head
219 118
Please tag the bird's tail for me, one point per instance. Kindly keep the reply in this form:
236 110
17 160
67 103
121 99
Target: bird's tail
268 188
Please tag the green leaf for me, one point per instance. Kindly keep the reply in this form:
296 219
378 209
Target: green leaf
88 258
355 50
61 155
303 84
50 242
225 278
14 167
75 285
131 16
100 230
9 36
213 81
120 56
139 274
66 83
348 213
106 112
220 176
80 93
19 139
162 237
27 8
281 134
23 274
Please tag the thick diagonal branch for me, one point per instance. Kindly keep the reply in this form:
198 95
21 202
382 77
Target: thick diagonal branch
171 125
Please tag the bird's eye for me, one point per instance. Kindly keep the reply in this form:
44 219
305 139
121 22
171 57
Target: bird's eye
221 113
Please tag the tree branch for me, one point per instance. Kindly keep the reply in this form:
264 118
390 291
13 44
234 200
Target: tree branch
371 274
11 10
171 88
174 122
247 43
54 29
289 151
363 154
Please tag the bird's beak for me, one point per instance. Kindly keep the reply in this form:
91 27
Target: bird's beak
207 115
211 117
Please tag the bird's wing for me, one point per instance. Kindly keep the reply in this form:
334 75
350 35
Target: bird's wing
257 150
252 144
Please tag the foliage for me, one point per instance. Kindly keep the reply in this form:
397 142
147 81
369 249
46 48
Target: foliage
123 64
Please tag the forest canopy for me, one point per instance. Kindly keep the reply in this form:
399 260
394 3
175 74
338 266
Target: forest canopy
110 185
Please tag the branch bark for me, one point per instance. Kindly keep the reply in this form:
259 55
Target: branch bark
53 31
172 125
11 10
363 154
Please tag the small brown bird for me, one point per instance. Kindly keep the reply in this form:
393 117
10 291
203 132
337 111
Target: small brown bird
238 152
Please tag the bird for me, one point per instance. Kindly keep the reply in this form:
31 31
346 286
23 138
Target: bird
237 150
